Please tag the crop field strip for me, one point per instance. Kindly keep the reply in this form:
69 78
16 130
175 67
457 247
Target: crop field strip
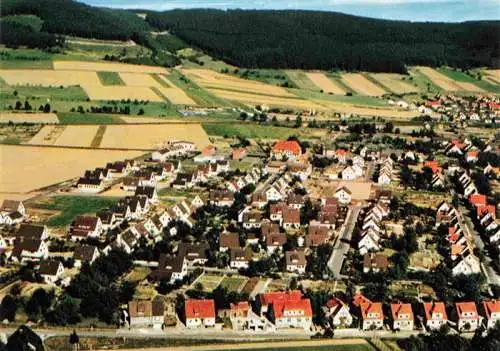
6 117
77 136
447 83
359 83
106 66
394 83
96 141
110 78
325 83
301 80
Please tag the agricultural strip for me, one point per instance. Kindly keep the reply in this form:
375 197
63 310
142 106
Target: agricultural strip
151 137
395 83
325 83
110 78
26 168
77 136
121 93
96 142
439 79
360 84
301 80
49 77
42 136
28 118
106 66
249 131
88 118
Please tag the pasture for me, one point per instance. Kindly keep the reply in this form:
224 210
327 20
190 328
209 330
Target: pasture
360 84
151 137
325 83
27 168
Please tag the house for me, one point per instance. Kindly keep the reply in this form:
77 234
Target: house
276 211
194 254
478 200
338 312
240 258
10 206
238 153
149 191
51 271
369 243
199 313
289 150
29 249
291 218
286 309
85 254
402 316
252 220
222 198
275 242
435 315
32 231
316 235
229 241
295 262
146 313
471 156
85 227
371 314
349 173
90 185
467 317
491 312
108 219
468 264
170 267
343 195
375 263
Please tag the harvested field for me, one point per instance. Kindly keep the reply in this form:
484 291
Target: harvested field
439 79
146 120
77 136
121 92
166 88
493 75
300 79
28 117
395 83
26 168
325 83
255 99
212 79
469 87
361 84
49 77
144 136
44 136
106 67
366 111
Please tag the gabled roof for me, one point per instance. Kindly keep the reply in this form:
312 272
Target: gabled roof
401 311
30 231
358 299
200 308
49 267
435 307
492 306
478 200
291 215
84 252
10 205
280 307
371 307
289 145
229 240
466 307
295 258
153 308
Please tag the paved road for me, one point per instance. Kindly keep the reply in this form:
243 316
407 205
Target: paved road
341 246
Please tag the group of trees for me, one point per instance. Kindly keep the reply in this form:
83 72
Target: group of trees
326 40
19 106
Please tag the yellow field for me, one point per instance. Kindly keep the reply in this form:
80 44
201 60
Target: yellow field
26 168
492 75
360 84
439 79
212 79
394 82
255 99
152 136
5 117
143 80
367 111
43 137
48 77
325 83
469 87
119 92
77 136
106 67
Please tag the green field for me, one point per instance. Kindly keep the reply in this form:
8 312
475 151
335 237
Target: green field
252 131
110 78
301 80
424 84
355 99
72 206
22 92
88 118
463 77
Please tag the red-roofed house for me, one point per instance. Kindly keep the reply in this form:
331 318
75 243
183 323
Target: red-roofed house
467 316
372 315
402 316
289 149
239 153
471 156
338 311
287 309
478 200
486 212
435 315
200 313
491 312
434 165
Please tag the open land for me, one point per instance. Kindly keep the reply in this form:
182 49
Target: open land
301 80
26 168
362 85
395 83
447 83
325 83
106 66
151 137
28 117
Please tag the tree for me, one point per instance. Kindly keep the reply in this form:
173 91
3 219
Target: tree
66 311
298 122
46 108
8 308
141 112
74 339
39 303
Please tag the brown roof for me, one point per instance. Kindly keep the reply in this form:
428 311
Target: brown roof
193 251
49 267
84 252
229 240
167 265
276 239
153 308
291 215
295 258
269 228
85 223
10 205
240 254
27 244
317 230
375 261
30 231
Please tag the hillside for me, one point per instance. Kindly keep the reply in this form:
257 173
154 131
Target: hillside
324 40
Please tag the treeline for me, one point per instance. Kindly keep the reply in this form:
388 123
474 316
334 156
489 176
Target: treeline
77 19
326 40
14 35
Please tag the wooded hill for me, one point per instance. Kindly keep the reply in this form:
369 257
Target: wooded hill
265 39
327 40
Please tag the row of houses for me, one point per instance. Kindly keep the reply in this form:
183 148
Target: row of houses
94 181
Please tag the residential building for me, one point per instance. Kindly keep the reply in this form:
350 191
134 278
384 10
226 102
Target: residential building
435 315
199 313
146 313
402 316
467 316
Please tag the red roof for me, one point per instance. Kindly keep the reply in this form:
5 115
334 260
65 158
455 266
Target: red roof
472 153
371 307
434 307
340 152
290 145
334 302
453 236
359 299
238 153
466 307
434 165
478 200
398 311
483 210
433 103
240 306
494 105
291 215
272 297
281 307
490 307
200 309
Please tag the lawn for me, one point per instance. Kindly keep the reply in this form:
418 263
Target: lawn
72 206
110 78
252 131
233 283
88 118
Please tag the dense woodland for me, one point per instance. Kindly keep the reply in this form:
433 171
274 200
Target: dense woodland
327 40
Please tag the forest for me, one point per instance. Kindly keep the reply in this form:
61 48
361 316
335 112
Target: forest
328 40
